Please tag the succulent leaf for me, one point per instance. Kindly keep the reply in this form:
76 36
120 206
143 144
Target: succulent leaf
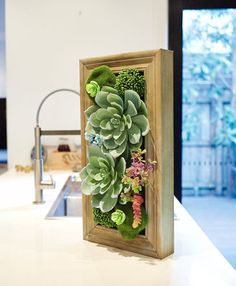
108 202
119 150
135 147
131 109
131 95
90 110
101 99
109 89
115 98
143 109
142 122
134 134
121 138
96 200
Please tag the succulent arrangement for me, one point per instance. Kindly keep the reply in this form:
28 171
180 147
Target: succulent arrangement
116 174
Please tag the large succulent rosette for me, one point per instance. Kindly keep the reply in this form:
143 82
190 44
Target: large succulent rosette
102 178
121 122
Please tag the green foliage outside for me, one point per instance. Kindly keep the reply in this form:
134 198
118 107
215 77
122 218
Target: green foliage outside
208 52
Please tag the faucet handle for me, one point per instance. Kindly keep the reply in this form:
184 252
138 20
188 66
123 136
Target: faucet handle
48 184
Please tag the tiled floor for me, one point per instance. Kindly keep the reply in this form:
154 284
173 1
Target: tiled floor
217 217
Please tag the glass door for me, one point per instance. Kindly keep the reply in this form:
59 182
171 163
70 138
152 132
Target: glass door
203 37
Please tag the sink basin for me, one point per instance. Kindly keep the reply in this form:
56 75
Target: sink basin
69 200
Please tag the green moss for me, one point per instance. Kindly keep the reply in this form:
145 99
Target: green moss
130 79
103 219
103 76
126 229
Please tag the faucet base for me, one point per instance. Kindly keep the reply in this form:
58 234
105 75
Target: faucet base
39 203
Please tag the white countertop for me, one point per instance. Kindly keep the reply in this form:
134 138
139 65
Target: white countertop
39 252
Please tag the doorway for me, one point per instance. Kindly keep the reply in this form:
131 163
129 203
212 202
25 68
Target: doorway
203 37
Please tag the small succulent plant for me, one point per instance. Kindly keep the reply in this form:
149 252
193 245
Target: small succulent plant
121 122
102 178
130 79
102 76
92 88
118 217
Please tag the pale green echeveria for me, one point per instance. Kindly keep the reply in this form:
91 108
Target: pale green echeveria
120 122
92 88
118 217
102 178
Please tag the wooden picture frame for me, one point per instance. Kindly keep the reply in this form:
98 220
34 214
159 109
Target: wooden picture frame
157 66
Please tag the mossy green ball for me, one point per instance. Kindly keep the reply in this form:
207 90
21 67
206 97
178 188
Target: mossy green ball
103 75
130 79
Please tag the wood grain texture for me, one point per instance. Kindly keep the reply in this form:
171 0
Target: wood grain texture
157 66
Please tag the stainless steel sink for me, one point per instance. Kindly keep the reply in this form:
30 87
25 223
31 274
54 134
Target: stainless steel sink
69 200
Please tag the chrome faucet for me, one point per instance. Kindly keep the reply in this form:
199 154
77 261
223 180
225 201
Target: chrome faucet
39 183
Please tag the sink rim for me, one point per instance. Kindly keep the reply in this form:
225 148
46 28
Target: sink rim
61 196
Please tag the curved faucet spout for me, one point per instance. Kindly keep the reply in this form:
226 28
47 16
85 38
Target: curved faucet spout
39 183
49 95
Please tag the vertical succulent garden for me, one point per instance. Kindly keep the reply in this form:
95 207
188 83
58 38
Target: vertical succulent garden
116 173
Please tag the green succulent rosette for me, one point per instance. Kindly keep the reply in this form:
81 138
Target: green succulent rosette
121 122
92 88
102 178
118 217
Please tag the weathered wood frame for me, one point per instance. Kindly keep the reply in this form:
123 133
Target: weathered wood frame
157 66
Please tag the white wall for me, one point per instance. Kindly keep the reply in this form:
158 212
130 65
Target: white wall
44 42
